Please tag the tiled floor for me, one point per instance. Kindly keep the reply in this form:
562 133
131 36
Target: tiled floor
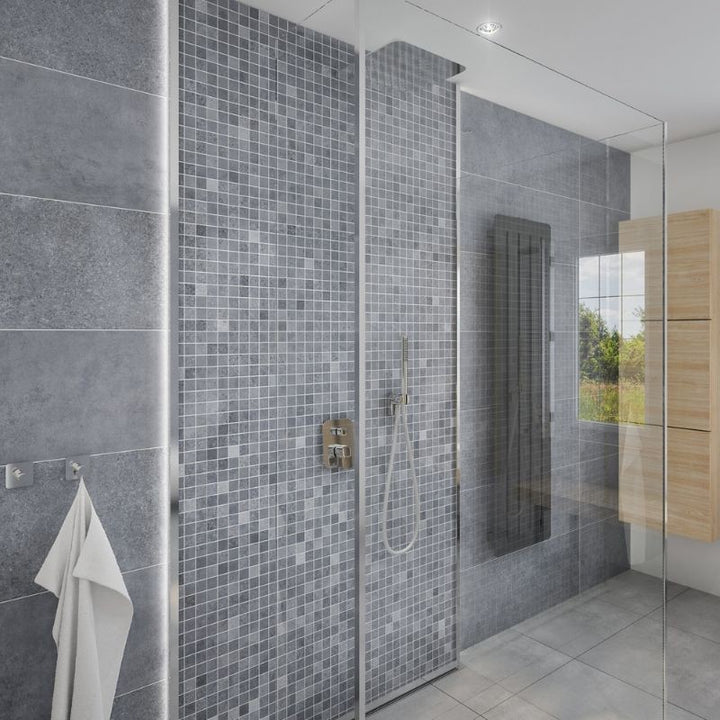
597 656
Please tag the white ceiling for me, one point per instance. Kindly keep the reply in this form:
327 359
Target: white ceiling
660 56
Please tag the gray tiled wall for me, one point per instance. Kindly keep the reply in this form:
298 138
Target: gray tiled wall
515 165
81 321
410 288
268 191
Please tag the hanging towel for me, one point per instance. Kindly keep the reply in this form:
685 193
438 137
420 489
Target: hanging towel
93 615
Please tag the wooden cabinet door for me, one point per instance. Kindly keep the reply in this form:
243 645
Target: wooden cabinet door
691 493
690 397
691 257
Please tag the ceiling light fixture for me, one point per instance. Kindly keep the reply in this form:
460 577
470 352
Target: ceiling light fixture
488 28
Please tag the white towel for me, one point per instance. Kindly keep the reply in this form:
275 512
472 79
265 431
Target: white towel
93 615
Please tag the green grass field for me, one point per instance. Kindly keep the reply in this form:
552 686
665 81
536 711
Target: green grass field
608 402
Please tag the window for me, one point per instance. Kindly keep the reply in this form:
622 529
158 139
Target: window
611 337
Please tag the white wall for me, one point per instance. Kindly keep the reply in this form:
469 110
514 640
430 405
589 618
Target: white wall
693 183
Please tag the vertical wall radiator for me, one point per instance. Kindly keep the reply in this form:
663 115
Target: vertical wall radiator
519 504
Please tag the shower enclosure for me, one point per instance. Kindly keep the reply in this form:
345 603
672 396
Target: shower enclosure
356 173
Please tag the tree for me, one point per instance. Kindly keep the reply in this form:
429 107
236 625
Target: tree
599 348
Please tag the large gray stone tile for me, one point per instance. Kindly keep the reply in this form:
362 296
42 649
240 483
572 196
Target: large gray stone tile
638 592
128 493
145 659
598 222
501 143
477 432
593 172
563 500
515 708
463 683
579 692
514 664
500 593
78 266
634 655
69 138
28 657
459 712
604 175
488 699
476 508
477 372
618 196
673 712
599 487
604 551
121 43
476 292
149 703
695 612
481 199
564 300
564 433
565 363
693 664
582 626
427 703
79 392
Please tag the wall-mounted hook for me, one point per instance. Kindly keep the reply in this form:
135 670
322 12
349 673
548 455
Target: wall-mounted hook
76 467
18 475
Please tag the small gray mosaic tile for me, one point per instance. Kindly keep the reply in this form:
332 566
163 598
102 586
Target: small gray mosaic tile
411 257
267 321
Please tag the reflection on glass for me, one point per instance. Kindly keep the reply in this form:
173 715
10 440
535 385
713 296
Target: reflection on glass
609 275
633 273
612 337
589 276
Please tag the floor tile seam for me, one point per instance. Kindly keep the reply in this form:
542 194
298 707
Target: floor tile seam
562 652
619 679
517 694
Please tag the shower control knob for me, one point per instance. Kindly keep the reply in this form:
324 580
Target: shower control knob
338 441
340 451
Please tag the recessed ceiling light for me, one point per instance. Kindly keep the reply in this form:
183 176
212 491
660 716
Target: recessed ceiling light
488 28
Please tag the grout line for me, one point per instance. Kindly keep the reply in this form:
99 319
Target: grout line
46 592
82 77
24 597
161 213
467 173
137 330
143 687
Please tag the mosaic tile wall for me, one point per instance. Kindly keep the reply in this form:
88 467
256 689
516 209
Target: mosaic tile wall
410 288
518 166
267 152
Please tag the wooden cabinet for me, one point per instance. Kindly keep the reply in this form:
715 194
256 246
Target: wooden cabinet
693 359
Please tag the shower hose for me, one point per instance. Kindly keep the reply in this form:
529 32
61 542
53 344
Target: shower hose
401 417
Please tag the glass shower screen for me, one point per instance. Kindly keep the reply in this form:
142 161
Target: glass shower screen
388 220
500 202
